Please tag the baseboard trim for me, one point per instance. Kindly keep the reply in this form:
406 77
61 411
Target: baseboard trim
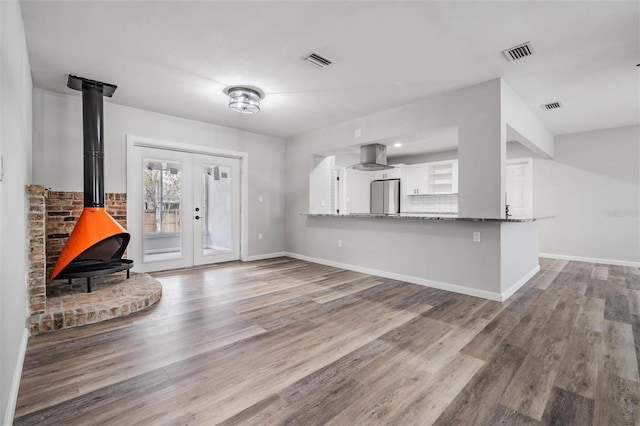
400 277
591 260
522 281
265 256
15 382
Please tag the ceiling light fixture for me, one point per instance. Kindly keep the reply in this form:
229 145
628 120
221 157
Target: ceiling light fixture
397 145
245 100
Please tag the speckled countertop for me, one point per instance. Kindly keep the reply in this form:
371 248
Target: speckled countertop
424 216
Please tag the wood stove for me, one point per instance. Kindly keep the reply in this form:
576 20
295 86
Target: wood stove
98 242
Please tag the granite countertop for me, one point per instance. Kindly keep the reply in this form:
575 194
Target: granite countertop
423 216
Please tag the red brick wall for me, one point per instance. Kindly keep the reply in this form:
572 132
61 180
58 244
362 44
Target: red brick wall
36 221
64 209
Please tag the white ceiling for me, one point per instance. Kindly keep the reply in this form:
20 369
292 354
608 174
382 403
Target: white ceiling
177 57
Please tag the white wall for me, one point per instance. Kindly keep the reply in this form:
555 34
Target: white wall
320 184
592 185
15 147
58 155
519 254
523 123
424 158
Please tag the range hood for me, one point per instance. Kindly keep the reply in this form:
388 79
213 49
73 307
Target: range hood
372 157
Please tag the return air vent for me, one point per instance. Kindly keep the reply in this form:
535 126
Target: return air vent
518 52
318 60
552 105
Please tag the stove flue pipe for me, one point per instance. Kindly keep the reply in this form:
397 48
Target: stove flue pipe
93 133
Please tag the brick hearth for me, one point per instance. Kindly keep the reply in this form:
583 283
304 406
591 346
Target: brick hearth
56 305
112 296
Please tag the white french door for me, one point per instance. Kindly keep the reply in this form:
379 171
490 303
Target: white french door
183 208
216 231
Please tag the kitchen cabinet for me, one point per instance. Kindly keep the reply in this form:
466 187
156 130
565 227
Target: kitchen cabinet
416 179
439 177
387 174
442 177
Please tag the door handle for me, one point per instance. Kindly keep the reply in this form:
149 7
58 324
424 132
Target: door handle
197 209
197 217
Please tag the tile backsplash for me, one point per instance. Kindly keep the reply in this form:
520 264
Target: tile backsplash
431 204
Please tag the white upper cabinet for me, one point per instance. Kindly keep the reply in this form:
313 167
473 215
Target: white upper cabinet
394 173
439 177
416 179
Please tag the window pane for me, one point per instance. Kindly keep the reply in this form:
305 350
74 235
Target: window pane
162 195
216 199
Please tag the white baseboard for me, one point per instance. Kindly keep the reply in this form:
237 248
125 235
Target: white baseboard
15 382
264 256
400 277
591 260
522 281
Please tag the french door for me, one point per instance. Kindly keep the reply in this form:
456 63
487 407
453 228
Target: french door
184 209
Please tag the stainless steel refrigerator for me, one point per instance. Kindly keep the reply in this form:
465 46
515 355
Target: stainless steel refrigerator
385 196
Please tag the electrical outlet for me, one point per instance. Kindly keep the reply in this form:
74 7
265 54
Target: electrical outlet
260 199
260 236
339 243
357 133
476 237
323 203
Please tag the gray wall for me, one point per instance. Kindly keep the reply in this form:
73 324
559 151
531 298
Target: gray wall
15 147
424 158
592 185
58 155
514 150
430 251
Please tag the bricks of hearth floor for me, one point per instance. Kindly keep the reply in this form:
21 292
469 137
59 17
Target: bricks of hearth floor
112 296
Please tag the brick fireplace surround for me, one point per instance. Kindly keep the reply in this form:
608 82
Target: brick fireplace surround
55 305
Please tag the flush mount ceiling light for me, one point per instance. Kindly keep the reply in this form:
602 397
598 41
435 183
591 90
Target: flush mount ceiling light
244 99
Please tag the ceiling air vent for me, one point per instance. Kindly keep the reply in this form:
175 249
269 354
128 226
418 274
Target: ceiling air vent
552 105
318 60
518 52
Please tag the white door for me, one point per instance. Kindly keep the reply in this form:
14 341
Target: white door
177 217
216 209
520 187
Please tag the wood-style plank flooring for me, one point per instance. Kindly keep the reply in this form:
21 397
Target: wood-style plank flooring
283 341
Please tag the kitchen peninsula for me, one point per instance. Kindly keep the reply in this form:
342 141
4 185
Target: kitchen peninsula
473 249
425 216
442 251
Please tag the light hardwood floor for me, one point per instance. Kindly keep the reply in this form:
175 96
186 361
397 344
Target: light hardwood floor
283 341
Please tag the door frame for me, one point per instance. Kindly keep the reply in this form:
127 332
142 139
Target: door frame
528 169
144 142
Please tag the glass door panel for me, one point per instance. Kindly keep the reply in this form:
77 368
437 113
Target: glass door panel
217 211
159 211
162 199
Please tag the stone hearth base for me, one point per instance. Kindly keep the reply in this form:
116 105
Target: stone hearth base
112 296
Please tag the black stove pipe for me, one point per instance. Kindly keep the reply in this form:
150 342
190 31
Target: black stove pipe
93 132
